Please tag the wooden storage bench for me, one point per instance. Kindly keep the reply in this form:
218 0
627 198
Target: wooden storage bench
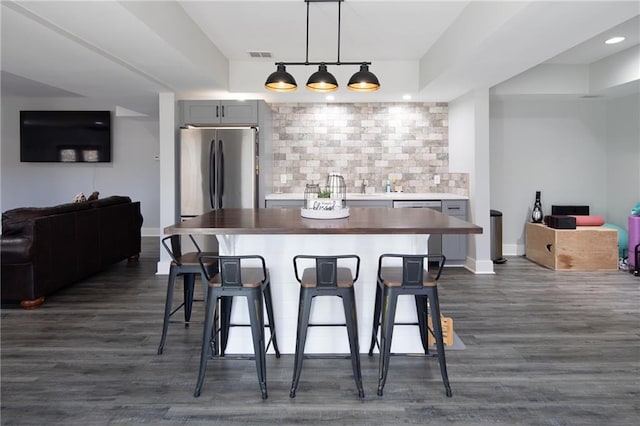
586 248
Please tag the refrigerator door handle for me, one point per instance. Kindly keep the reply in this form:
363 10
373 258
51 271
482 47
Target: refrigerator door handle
212 174
221 173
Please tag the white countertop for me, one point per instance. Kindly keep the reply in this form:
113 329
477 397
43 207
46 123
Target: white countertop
378 196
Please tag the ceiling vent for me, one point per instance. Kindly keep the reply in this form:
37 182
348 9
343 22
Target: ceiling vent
259 54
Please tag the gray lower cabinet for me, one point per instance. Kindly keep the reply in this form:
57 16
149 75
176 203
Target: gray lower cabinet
228 112
369 203
350 203
454 247
283 203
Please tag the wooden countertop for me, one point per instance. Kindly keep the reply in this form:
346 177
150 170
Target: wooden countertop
369 220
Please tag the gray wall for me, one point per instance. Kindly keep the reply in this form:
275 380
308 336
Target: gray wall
133 171
623 158
582 151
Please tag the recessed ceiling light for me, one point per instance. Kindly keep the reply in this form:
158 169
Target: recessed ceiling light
406 97
614 40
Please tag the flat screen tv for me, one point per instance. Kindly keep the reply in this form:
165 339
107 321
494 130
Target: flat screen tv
65 136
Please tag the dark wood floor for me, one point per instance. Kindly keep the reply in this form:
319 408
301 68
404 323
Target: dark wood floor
542 348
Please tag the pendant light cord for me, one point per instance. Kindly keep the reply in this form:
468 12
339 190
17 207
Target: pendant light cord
339 17
306 61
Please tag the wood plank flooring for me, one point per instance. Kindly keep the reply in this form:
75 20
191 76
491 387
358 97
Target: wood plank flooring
542 348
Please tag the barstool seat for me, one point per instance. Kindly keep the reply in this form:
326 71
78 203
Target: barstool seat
235 280
327 279
188 265
409 279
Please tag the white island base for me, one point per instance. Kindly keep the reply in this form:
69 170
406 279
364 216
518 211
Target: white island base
279 250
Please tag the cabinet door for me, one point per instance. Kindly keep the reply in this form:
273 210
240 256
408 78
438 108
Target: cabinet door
239 112
229 112
454 247
201 112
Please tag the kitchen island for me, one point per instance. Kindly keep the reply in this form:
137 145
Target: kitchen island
278 234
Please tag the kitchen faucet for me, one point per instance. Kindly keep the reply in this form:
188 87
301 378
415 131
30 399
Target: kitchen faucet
363 188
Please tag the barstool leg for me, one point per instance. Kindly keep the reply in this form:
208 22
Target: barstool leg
270 316
388 316
421 310
257 331
206 339
376 318
350 314
437 331
225 319
173 273
189 282
304 311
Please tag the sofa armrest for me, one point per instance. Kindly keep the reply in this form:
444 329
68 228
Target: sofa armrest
16 250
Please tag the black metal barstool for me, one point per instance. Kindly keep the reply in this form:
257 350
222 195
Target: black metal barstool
188 265
252 282
327 279
409 279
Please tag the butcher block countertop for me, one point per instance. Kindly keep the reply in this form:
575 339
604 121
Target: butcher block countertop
368 220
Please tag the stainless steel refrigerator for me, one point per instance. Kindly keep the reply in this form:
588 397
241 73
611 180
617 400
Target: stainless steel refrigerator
218 169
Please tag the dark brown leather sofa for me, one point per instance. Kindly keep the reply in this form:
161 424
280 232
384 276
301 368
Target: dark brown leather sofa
48 248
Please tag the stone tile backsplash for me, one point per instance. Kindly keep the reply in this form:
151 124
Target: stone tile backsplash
375 142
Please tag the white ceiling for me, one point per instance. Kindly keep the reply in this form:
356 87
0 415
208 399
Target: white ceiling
127 52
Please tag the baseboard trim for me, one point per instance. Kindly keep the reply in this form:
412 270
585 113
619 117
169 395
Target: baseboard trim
479 266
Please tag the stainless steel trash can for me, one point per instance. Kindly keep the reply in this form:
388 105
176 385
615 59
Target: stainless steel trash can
496 237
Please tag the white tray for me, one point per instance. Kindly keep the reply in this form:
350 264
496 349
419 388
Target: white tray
325 214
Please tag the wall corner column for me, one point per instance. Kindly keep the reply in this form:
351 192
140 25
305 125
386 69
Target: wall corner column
168 196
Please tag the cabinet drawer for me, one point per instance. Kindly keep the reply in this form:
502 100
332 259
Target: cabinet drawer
456 208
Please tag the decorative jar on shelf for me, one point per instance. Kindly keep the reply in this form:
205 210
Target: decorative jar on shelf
311 192
338 188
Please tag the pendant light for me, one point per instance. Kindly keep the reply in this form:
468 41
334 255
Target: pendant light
281 80
364 80
322 80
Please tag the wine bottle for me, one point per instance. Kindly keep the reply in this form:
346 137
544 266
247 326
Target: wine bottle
536 213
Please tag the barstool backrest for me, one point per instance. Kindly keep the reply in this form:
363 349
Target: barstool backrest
231 269
175 252
326 269
413 267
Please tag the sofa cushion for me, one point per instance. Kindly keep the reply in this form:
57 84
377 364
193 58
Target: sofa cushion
109 201
13 221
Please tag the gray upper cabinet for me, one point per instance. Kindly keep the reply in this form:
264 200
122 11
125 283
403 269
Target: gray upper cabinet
228 112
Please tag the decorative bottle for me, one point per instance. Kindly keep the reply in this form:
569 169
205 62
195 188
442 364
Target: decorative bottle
536 213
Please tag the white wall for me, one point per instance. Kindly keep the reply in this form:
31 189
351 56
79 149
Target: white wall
469 153
569 150
623 158
133 171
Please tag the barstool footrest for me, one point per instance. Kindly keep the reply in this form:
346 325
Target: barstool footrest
327 356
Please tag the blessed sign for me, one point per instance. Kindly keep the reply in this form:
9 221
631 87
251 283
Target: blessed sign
324 205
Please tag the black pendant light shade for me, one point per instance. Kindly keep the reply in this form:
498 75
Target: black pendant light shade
281 80
364 80
322 81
